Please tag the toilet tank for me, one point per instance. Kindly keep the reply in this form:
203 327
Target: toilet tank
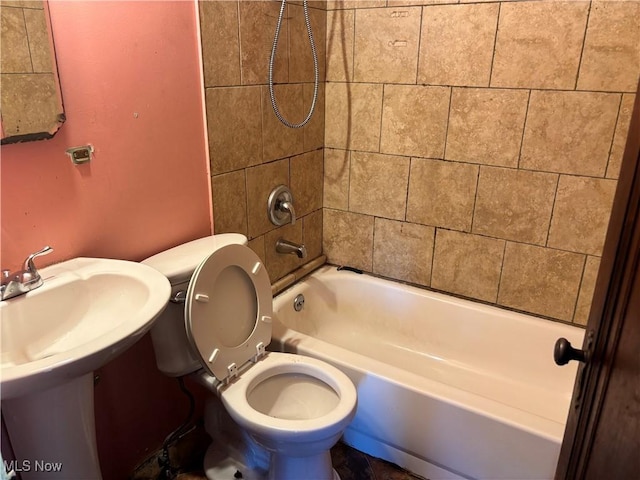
174 355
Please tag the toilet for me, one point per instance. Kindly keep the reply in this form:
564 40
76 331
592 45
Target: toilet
217 327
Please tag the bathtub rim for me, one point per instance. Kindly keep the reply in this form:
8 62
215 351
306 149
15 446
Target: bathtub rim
290 340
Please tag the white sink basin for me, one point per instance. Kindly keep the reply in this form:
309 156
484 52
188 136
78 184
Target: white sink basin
88 311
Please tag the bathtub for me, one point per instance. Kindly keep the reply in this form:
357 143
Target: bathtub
447 388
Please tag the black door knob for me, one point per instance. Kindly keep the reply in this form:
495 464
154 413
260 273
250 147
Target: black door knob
563 353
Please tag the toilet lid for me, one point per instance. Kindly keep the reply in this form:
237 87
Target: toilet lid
228 310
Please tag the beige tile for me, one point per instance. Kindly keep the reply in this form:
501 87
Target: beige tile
538 44
569 132
441 193
257 26
14 55
341 4
340 41
219 26
39 45
378 184
235 128
581 214
414 120
312 234
403 251
29 103
620 136
36 4
280 264
611 55
587 288
399 3
337 165
313 132
456 44
257 245
261 180
281 284
229 202
467 265
300 57
278 140
540 280
309 267
486 125
347 238
352 116
386 45
317 4
306 181
514 204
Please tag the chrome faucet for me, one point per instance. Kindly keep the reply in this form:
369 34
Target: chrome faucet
285 246
280 206
22 281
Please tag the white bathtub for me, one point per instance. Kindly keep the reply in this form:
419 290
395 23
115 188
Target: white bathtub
447 388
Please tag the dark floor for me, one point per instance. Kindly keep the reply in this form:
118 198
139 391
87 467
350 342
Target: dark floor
350 465
354 465
187 453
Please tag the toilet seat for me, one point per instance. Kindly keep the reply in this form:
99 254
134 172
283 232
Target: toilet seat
237 396
228 310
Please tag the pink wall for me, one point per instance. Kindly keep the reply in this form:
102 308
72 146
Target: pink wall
132 88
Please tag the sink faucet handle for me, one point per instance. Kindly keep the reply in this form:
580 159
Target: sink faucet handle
29 266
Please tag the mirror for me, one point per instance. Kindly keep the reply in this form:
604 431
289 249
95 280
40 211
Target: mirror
31 101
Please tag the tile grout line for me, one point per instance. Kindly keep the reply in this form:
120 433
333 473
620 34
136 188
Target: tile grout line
495 44
584 41
406 201
26 31
348 180
353 50
475 200
524 129
553 207
464 162
613 137
419 42
384 85
446 130
575 305
504 254
239 44
433 255
470 87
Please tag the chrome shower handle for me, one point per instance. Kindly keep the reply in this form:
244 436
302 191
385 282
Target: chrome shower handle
287 206
280 206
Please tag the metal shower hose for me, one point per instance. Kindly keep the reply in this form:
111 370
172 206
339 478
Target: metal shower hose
315 68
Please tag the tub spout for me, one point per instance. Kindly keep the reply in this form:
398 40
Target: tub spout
285 246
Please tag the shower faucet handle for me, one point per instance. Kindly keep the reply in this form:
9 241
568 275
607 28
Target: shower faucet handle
280 206
288 207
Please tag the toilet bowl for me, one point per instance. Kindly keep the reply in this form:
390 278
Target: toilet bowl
294 407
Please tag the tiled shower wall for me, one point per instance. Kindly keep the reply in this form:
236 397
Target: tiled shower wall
470 147
474 147
250 151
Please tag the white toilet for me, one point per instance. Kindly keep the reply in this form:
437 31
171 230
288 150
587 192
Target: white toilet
219 323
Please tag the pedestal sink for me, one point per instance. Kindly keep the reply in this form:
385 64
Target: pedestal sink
87 312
